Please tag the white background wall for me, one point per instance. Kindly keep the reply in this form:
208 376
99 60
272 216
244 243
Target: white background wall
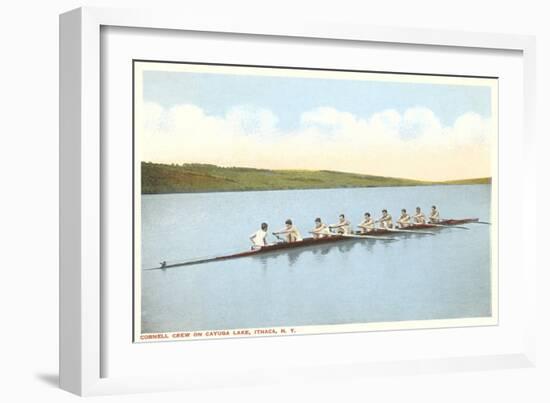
29 186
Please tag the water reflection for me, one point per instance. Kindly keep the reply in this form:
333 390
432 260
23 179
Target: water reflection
293 255
319 251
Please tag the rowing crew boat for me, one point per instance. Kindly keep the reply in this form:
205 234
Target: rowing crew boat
379 233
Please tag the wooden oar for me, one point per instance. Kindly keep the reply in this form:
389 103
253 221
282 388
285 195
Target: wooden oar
327 233
446 226
470 222
410 231
386 238
278 237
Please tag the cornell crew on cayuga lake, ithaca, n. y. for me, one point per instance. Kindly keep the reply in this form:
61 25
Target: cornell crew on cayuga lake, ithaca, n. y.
289 237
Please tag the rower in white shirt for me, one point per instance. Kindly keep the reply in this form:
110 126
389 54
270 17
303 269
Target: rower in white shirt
434 215
321 230
343 226
404 219
419 217
259 238
367 225
290 232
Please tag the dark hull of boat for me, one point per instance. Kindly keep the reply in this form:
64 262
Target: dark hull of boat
269 248
458 222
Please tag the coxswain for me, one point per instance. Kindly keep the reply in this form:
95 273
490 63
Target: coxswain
259 238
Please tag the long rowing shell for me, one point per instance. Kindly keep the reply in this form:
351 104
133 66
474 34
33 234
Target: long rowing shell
264 249
316 241
269 248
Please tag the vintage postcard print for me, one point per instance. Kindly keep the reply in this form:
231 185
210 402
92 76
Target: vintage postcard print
274 201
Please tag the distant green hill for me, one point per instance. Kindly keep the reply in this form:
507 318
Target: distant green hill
477 181
187 178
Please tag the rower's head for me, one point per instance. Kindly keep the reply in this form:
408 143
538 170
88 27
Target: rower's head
342 217
418 209
318 222
367 215
264 226
384 212
403 211
434 208
288 223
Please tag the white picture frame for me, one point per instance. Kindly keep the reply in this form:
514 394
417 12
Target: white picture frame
81 174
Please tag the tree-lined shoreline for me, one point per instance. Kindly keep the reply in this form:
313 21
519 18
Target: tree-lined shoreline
159 178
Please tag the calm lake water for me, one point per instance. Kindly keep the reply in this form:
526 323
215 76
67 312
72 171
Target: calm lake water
416 278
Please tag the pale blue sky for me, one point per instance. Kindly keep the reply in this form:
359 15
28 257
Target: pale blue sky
289 97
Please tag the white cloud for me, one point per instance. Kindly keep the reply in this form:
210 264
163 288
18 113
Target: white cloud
328 117
418 122
412 144
252 121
